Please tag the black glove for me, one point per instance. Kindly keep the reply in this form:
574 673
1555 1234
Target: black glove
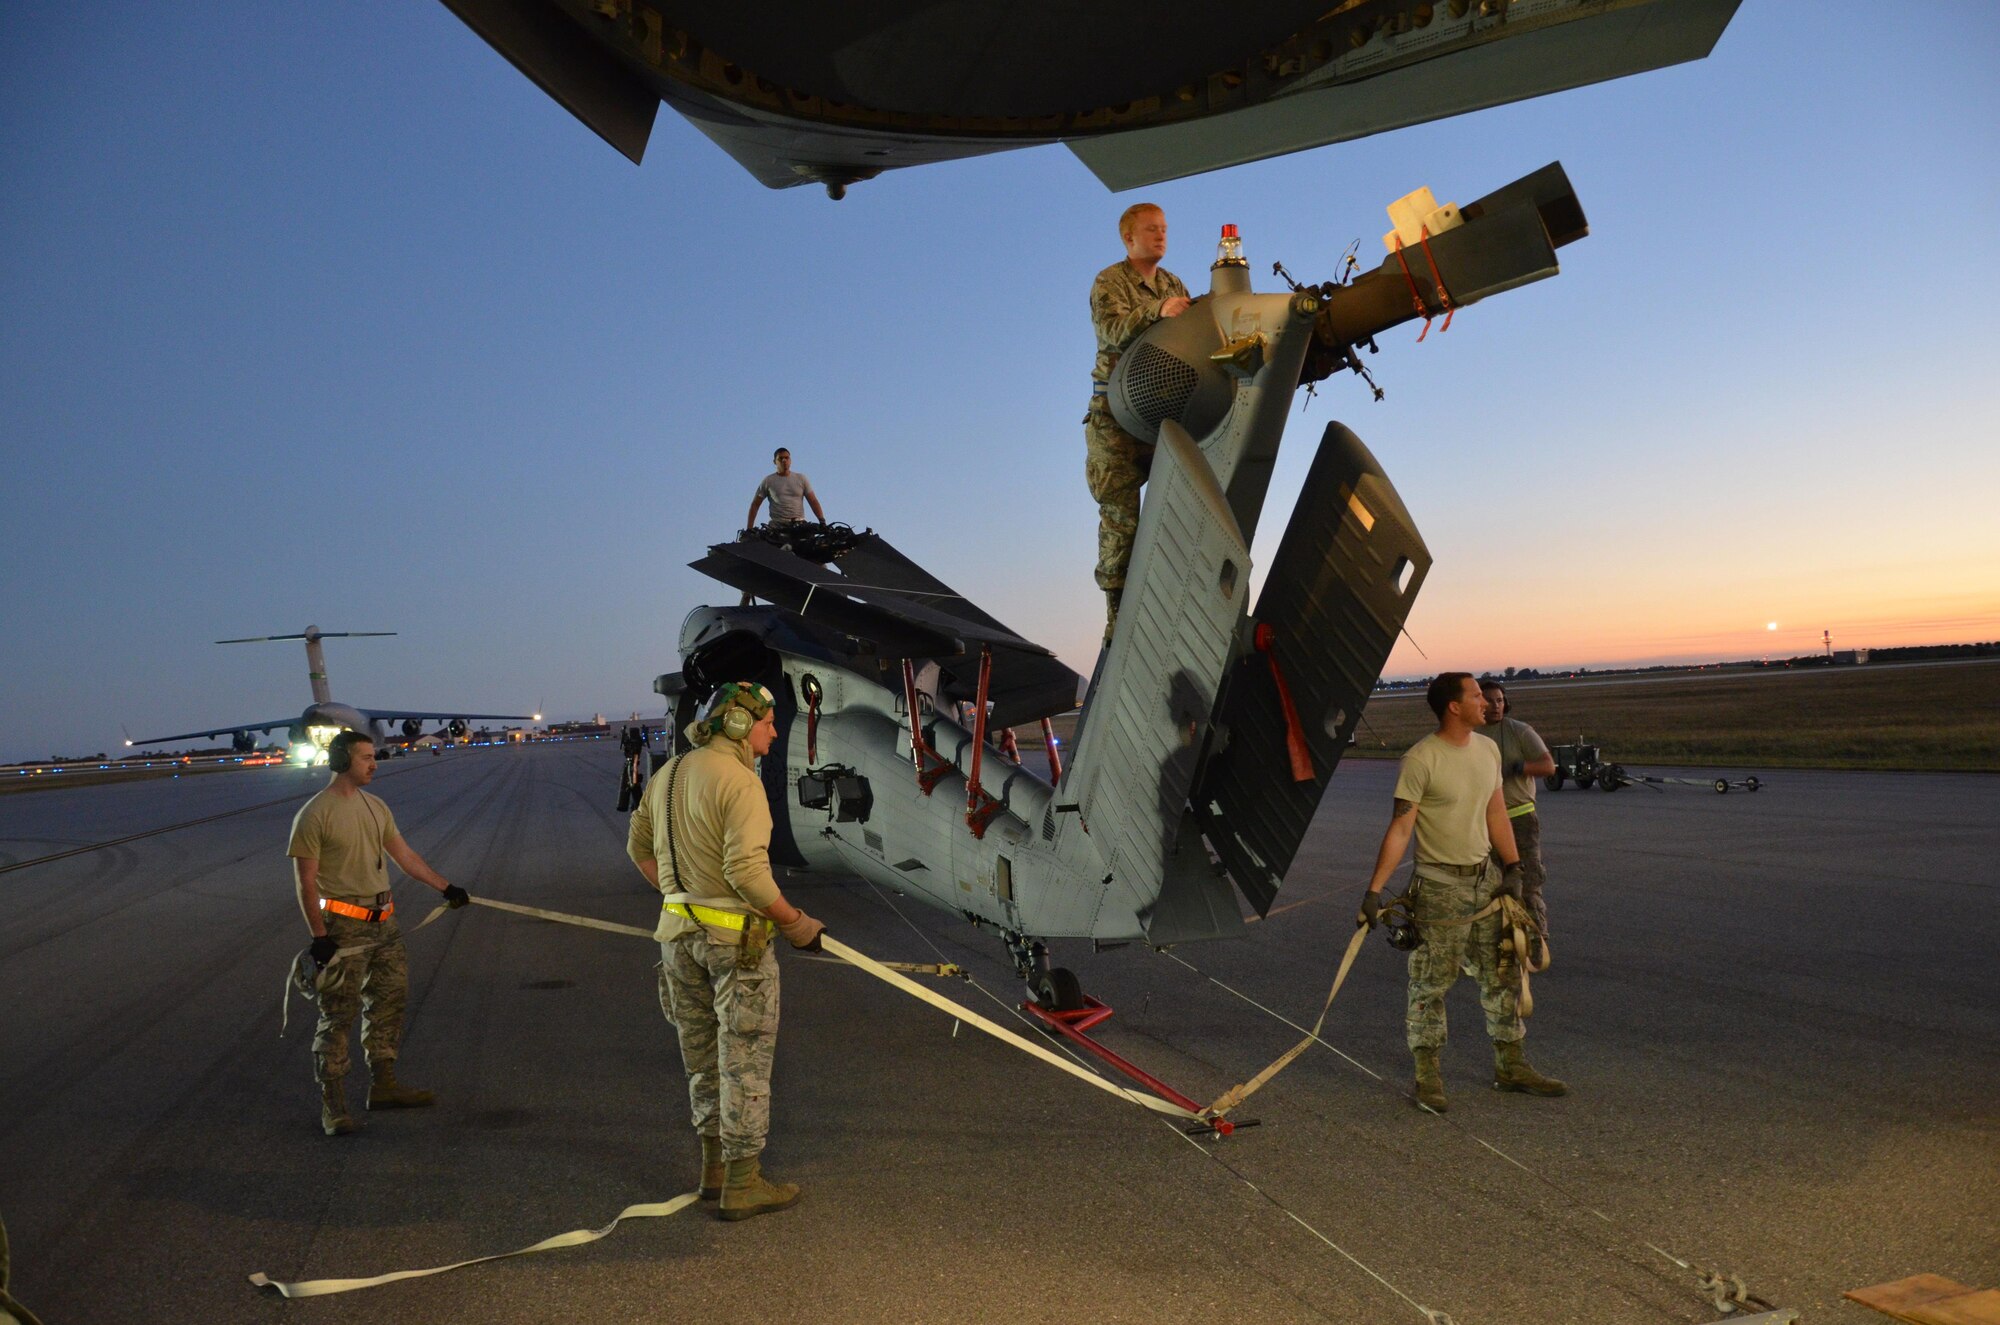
1510 881
455 897
1371 909
323 949
1516 767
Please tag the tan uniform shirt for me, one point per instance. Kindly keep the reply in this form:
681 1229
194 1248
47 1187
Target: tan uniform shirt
722 833
1519 744
349 837
1451 786
1122 307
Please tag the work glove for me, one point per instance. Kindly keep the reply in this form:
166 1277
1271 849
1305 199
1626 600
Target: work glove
1371 909
1510 881
323 949
803 932
455 897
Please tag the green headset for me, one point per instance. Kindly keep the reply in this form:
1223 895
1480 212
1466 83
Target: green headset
736 708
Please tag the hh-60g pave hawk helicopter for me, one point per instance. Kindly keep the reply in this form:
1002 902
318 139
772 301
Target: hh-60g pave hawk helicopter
1211 727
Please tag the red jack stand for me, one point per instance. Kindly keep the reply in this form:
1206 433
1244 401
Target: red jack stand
1072 1025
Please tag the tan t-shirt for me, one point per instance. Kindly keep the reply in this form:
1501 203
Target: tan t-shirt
348 836
1451 786
1519 744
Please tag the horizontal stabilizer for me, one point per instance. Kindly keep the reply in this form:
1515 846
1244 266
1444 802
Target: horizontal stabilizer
1342 585
874 593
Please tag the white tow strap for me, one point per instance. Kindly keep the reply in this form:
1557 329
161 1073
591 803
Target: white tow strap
324 1287
997 1031
575 1238
881 972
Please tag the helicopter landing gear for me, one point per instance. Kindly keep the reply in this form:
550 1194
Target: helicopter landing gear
1054 988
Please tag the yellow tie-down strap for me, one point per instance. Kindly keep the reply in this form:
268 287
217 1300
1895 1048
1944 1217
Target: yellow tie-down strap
323 1287
574 1238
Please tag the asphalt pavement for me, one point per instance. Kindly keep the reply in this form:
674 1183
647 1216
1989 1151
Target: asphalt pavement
1778 1014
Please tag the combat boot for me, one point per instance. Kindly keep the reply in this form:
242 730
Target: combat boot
1430 1083
1112 597
1511 1072
333 1116
388 1093
745 1193
711 1168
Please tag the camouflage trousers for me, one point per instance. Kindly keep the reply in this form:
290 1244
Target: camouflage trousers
728 1024
1115 465
373 980
1528 838
1442 894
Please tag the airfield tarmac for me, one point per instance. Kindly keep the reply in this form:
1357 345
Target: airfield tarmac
1778 1014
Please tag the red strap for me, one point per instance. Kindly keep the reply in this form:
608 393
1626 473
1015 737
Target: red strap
1295 734
1444 295
1416 299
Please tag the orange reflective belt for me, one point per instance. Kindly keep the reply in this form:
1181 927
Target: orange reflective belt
341 908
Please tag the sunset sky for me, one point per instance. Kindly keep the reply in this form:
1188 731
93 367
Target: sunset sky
324 314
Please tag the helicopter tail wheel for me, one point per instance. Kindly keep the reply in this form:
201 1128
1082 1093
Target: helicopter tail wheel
1058 990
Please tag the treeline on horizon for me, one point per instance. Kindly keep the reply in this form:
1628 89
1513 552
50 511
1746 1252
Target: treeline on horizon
1839 658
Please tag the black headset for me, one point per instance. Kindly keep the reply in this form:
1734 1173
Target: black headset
340 752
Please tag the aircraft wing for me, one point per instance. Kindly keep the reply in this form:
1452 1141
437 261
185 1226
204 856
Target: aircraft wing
1412 75
803 92
266 727
874 592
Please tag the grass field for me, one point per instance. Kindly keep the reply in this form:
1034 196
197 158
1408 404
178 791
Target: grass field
1928 716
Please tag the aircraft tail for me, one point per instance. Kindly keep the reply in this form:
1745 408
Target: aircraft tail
1148 715
1342 585
315 656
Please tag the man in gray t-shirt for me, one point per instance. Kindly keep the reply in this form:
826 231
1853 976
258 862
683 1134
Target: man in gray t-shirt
789 493
1523 758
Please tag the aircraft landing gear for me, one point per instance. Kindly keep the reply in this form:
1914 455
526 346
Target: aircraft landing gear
1055 988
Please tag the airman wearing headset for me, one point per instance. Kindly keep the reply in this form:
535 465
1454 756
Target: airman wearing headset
342 841
702 836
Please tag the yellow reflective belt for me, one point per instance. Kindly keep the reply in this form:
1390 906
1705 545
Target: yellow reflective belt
707 915
1519 810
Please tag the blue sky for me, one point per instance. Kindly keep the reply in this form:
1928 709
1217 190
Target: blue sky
324 314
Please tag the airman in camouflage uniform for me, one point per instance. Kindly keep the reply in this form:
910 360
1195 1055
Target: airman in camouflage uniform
1126 298
702 836
1448 798
342 842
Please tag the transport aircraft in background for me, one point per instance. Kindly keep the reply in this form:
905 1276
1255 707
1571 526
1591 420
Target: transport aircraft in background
308 733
